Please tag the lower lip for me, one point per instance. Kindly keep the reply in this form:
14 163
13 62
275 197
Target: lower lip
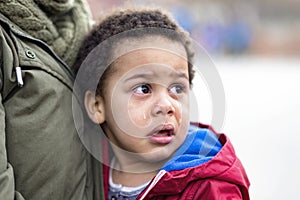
161 139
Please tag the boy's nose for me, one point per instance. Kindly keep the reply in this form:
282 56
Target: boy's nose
163 106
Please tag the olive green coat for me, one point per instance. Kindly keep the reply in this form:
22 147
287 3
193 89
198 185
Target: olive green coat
41 155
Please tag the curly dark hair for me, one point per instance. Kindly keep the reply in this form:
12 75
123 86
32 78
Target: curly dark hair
144 22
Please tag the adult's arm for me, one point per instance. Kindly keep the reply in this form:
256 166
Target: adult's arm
7 180
6 172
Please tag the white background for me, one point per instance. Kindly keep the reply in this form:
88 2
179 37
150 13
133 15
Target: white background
262 120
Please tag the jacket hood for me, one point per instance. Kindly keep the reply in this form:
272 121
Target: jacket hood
218 162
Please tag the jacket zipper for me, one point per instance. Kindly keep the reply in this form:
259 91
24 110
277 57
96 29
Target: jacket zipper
16 60
158 177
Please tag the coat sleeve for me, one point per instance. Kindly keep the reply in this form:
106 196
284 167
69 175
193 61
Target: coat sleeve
218 190
7 182
6 172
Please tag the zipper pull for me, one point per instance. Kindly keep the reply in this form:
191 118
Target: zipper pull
158 176
19 76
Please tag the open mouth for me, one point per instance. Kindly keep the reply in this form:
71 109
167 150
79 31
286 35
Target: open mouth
163 134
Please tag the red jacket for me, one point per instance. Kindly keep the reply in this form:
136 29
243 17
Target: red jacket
222 176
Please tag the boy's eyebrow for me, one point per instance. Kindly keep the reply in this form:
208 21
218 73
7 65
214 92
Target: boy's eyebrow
181 75
148 76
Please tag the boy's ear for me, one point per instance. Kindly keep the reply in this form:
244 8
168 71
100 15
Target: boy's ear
94 106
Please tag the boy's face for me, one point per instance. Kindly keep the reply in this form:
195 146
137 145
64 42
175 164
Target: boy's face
146 104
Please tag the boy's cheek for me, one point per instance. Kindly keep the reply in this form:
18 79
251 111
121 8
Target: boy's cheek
139 117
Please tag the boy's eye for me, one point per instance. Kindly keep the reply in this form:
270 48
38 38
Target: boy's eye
143 89
177 89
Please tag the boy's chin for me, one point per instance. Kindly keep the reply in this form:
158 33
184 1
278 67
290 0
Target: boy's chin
157 157
149 165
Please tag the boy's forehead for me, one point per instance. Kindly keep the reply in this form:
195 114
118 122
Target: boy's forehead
150 59
151 63
160 43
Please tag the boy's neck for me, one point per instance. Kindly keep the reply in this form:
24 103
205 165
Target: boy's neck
131 179
133 174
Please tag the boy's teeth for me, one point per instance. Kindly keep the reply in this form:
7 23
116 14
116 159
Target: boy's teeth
164 132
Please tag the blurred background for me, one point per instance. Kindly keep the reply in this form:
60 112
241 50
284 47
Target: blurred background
268 27
255 46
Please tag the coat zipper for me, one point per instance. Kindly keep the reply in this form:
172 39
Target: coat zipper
16 60
158 177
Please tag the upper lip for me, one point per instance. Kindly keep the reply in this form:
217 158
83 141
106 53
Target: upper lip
163 127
